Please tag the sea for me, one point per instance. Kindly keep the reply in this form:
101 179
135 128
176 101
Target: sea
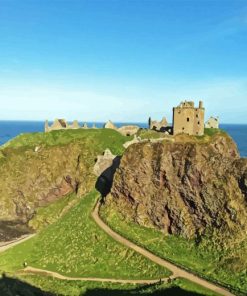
10 129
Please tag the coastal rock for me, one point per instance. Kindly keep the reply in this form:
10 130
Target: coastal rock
134 141
31 178
188 187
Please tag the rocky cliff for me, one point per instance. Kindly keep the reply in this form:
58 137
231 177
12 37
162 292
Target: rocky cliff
38 169
188 187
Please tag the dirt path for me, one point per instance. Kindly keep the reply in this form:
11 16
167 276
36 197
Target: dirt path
177 272
13 243
90 279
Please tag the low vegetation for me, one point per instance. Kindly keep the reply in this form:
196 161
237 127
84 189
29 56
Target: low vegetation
50 213
105 138
76 246
200 258
38 168
32 285
150 134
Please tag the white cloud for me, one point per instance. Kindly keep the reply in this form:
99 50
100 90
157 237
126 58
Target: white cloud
225 98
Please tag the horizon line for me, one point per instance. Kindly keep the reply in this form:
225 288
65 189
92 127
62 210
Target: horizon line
91 121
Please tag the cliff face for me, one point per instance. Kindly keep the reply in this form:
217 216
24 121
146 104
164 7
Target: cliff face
31 179
38 169
187 187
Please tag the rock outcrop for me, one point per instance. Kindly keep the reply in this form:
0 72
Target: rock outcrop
131 142
188 187
38 169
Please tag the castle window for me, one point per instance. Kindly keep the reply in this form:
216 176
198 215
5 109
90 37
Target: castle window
197 115
188 119
198 122
183 128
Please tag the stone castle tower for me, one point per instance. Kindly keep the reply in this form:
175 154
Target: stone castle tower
188 120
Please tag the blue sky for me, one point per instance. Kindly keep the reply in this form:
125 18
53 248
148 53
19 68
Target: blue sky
122 60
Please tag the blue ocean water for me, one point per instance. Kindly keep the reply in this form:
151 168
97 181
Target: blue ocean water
10 129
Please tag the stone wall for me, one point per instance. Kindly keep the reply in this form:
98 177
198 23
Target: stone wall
188 120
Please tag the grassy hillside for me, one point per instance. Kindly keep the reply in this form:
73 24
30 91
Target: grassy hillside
76 246
39 168
103 137
222 267
50 213
178 287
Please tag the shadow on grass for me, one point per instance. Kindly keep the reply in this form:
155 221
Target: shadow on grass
147 290
13 287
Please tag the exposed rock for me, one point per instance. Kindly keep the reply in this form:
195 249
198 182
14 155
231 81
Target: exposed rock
134 141
186 187
36 149
85 126
30 179
128 130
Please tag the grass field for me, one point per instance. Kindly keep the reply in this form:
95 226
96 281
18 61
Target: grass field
184 252
76 246
105 138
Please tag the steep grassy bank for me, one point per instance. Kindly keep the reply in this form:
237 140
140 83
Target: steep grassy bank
76 246
39 168
178 287
224 266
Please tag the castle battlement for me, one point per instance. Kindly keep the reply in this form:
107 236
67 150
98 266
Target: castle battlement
187 119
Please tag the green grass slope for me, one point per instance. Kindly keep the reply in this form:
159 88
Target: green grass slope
76 246
178 287
34 167
102 137
187 253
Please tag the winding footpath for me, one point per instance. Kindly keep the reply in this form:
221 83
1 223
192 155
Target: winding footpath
91 279
177 272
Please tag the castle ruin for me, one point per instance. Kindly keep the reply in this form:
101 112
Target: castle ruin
159 126
213 122
59 124
188 120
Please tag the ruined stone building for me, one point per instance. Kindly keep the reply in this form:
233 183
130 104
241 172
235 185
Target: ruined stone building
213 122
56 125
158 125
187 119
59 124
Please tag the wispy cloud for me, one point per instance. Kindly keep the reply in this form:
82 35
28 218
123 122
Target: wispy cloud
225 98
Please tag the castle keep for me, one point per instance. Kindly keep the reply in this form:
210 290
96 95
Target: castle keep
187 119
